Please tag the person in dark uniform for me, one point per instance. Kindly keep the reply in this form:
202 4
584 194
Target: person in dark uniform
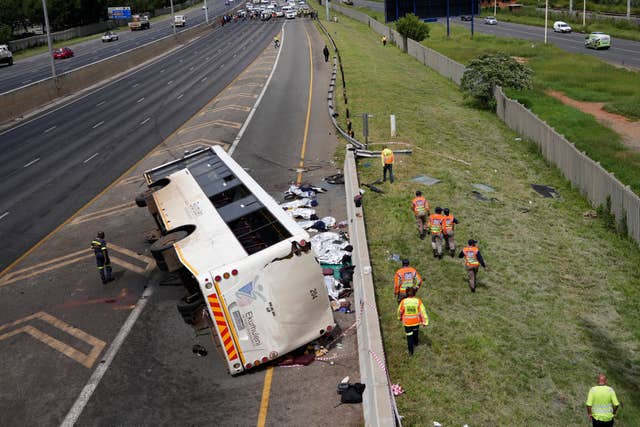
326 53
99 246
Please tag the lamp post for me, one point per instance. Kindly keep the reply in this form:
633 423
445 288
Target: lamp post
206 12
546 15
584 12
48 29
173 18
495 7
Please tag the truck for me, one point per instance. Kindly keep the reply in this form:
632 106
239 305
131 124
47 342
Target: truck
249 274
180 20
5 55
139 22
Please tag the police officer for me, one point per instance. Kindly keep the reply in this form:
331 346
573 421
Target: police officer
472 262
448 227
421 210
413 314
99 246
436 221
405 278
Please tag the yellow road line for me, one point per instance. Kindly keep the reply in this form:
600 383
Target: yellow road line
306 124
264 403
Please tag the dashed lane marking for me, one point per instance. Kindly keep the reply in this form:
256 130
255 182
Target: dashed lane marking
31 162
145 120
85 359
90 158
49 130
97 125
140 100
180 96
4 214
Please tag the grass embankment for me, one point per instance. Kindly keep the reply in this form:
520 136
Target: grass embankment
581 77
562 301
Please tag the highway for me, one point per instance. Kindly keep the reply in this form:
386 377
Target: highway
56 162
38 67
62 332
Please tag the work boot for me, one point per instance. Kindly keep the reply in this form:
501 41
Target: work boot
435 253
440 255
421 236
453 253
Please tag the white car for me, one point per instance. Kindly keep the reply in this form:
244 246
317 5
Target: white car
561 27
290 14
491 20
5 54
109 37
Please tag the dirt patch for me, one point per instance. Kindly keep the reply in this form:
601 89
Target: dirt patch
520 59
630 131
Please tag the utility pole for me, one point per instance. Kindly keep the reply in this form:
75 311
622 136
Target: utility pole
546 16
173 18
206 12
48 29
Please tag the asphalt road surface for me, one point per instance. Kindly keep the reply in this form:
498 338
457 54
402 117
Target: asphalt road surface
55 163
38 67
622 52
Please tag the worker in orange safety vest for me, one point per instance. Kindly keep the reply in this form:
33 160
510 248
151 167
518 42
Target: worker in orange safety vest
421 210
436 223
448 227
387 163
472 262
405 278
413 314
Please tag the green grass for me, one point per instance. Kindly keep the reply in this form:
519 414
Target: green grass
562 300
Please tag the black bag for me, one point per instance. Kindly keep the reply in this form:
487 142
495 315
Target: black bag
353 393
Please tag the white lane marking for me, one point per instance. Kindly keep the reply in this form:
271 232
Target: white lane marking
235 54
25 82
221 66
207 58
4 214
135 85
255 106
31 162
101 103
180 61
49 130
96 377
203 80
90 158
162 71
97 125
145 120
140 100
180 96
169 82
190 68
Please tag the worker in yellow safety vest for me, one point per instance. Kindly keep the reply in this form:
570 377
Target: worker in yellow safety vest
413 314
436 222
602 403
448 226
405 278
421 210
472 262
387 164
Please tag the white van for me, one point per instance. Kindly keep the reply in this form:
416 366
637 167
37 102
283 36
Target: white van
180 21
248 267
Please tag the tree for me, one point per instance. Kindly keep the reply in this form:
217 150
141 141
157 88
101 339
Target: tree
410 26
490 70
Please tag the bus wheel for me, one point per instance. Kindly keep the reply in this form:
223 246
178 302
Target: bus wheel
164 252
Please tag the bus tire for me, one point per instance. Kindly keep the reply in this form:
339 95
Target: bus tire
164 252
188 306
140 201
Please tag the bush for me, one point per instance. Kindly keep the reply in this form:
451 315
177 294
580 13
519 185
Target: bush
410 26
5 34
488 71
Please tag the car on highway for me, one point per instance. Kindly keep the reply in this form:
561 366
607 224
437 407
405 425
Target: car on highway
290 14
62 53
597 40
466 18
109 37
491 20
5 54
561 27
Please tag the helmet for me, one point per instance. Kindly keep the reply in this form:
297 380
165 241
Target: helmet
100 234
472 242
438 209
405 262
446 211
418 193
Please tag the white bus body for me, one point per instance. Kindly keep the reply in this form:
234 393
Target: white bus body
240 256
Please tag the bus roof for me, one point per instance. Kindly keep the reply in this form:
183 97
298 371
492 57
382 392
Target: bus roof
233 216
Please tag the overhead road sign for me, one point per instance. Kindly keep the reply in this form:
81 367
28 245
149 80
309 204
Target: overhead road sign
119 12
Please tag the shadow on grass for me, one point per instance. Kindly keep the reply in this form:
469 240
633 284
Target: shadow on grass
615 361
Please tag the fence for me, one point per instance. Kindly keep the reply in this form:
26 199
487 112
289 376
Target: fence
595 183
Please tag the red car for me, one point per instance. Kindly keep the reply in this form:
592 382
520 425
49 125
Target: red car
62 53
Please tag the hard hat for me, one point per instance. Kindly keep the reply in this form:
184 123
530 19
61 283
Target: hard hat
472 242
100 234
446 211
405 262
438 209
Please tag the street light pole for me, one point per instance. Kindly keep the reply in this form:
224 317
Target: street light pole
495 7
173 17
48 29
206 12
584 12
546 15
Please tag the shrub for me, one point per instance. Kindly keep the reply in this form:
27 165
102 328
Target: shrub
488 71
410 26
